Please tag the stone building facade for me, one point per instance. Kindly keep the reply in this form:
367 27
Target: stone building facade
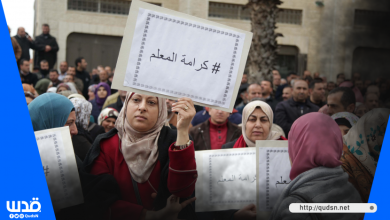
328 37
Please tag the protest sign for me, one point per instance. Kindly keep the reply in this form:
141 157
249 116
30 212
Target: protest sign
60 168
234 178
226 179
170 54
273 170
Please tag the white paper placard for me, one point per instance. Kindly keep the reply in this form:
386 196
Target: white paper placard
60 168
226 179
273 173
173 55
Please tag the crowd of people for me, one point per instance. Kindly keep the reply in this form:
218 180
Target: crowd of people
135 152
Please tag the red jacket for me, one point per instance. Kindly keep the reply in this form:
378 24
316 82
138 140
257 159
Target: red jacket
181 177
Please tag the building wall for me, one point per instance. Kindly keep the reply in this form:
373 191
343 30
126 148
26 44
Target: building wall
327 34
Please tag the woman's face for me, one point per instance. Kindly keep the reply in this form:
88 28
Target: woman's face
91 95
258 126
108 124
71 122
61 89
102 92
344 129
142 112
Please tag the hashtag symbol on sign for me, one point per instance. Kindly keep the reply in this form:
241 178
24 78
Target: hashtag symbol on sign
46 170
216 68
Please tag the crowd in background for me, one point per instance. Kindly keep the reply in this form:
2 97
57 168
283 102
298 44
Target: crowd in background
343 121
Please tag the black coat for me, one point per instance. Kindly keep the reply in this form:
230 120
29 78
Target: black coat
288 111
30 78
167 137
26 45
40 44
84 76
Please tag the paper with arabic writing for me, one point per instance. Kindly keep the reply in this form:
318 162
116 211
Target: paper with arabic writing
60 168
226 179
273 174
173 55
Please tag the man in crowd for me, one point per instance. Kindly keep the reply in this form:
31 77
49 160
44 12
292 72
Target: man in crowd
266 92
81 73
317 92
360 85
371 101
63 70
287 112
53 76
46 47
215 132
253 91
276 82
306 73
119 103
287 93
69 78
341 99
25 75
331 86
108 70
25 42
78 82
43 69
373 89
340 78
103 76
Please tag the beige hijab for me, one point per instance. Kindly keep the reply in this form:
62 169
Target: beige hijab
248 110
140 149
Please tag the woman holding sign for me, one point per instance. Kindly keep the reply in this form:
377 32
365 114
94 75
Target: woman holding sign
149 160
257 121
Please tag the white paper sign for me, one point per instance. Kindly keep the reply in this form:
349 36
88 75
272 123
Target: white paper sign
226 179
175 55
60 168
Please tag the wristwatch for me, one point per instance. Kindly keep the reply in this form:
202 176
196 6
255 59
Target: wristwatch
181 147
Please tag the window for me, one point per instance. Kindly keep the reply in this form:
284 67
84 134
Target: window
234 11
230 11
290 16
121 7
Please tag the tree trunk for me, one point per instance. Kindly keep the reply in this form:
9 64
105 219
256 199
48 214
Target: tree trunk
263 51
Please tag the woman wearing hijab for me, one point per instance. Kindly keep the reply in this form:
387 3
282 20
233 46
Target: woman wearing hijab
345 120
257 121
62 87
91 92
316 174
52 110
82 142
107 118
101 93
149 160
362 146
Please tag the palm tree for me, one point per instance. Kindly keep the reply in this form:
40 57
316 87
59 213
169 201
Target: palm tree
263 51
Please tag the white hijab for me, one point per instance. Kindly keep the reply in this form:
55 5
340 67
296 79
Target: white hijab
248 110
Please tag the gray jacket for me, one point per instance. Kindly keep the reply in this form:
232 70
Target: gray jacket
321 185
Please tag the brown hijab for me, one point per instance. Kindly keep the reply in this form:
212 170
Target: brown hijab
140 149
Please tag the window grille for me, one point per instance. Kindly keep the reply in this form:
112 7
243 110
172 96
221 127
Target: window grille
121 7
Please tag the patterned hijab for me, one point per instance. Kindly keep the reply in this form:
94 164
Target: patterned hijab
351 118
107 113
248 110
140 149
83 110
364 140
